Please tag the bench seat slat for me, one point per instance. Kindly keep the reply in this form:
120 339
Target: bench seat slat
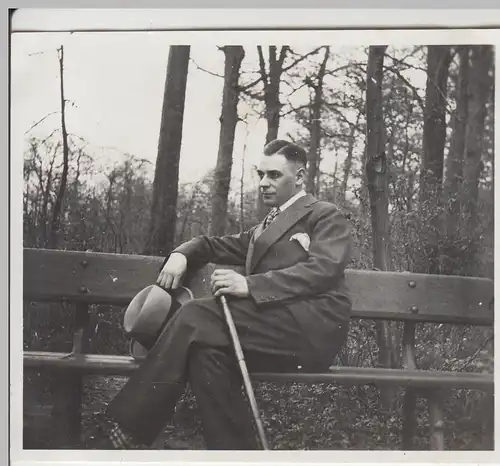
125 365
99 278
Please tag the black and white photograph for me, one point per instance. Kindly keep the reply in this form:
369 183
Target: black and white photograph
276 240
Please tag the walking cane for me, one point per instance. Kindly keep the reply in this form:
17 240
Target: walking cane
244 372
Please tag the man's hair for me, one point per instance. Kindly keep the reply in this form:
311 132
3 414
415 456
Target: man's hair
291 151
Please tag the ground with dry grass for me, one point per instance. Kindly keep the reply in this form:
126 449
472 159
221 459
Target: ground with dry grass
296 417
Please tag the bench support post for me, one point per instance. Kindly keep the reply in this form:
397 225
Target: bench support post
488 427
66 413
409 418
410 397
68 389
436 417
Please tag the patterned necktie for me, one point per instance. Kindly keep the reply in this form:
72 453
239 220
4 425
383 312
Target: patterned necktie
271 216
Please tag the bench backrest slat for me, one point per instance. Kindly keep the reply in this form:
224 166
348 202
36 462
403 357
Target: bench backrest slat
100 278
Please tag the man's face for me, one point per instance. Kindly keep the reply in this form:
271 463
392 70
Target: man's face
280 179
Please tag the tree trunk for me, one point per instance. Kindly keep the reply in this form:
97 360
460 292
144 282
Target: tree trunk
242 182
431 171
348 161
56 213
109 215
272 89
161 234
377 181
315 127
234 55
434 137
376 163
335 181
271 81
480 88
46 190
273 107
454 165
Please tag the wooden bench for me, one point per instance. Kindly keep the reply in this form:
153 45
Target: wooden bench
95 278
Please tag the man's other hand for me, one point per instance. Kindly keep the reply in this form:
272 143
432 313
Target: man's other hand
229 282
173 271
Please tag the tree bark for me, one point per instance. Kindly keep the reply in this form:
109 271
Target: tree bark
242 182
161 235
348 160
376 162
431 172
335 181
454 162
377 176
434 138
234 55
56 213
480 88
315 127
271 82
46 197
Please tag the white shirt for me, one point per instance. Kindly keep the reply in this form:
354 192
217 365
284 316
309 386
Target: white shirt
290 201
284 206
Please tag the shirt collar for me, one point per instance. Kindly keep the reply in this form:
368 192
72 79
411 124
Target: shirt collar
290 201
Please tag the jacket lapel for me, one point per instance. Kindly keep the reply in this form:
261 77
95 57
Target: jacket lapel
251 247
276 230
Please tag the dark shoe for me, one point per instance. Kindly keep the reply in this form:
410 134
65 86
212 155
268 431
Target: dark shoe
106 434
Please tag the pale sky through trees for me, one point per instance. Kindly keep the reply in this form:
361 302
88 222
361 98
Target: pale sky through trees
116 82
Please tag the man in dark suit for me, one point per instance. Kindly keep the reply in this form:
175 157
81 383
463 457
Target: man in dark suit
291 310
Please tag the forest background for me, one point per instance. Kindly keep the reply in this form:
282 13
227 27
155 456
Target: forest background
400 138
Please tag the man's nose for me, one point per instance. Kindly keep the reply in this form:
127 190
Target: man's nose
264 182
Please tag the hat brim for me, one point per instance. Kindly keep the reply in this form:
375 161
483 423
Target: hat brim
136 350
148 312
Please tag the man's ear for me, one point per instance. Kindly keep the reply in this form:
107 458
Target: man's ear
300 176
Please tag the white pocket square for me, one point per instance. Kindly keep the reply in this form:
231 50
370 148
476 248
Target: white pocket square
303 239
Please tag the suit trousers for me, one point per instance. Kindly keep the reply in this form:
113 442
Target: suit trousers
195 347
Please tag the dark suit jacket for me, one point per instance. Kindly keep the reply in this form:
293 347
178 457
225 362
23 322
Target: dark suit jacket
281 272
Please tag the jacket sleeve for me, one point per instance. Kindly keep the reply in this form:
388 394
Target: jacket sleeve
329 253
224 250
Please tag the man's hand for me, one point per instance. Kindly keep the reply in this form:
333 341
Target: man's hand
229 282
173 271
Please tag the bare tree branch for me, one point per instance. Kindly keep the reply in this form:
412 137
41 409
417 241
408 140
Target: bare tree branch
262 72
402 62
259 114
295 109
302 58
341 68
335 110
254 95
332 135
50 135
36 53
294 90
418 48
251 84
474 356
408 84
73 135
204 70
41 120
262 67
282 56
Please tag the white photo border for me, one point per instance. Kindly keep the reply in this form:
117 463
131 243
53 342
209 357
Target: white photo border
230 19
